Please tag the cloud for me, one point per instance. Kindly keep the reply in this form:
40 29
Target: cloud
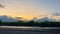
2 6
56 14
18 17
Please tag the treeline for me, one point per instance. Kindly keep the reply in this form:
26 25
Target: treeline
31 23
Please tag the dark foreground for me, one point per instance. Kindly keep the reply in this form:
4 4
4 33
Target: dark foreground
19 31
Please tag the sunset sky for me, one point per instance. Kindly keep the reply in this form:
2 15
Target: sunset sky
29 8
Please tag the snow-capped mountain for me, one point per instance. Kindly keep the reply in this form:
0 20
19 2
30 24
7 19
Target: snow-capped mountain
45 19
5 18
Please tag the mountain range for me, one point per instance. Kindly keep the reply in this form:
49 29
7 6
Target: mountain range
45 19
5 18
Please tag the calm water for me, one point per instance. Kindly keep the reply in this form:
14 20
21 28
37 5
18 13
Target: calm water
29 30
29 27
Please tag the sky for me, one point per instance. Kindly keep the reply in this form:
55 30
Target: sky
29 8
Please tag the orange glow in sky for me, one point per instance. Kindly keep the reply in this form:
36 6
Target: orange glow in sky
29 8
